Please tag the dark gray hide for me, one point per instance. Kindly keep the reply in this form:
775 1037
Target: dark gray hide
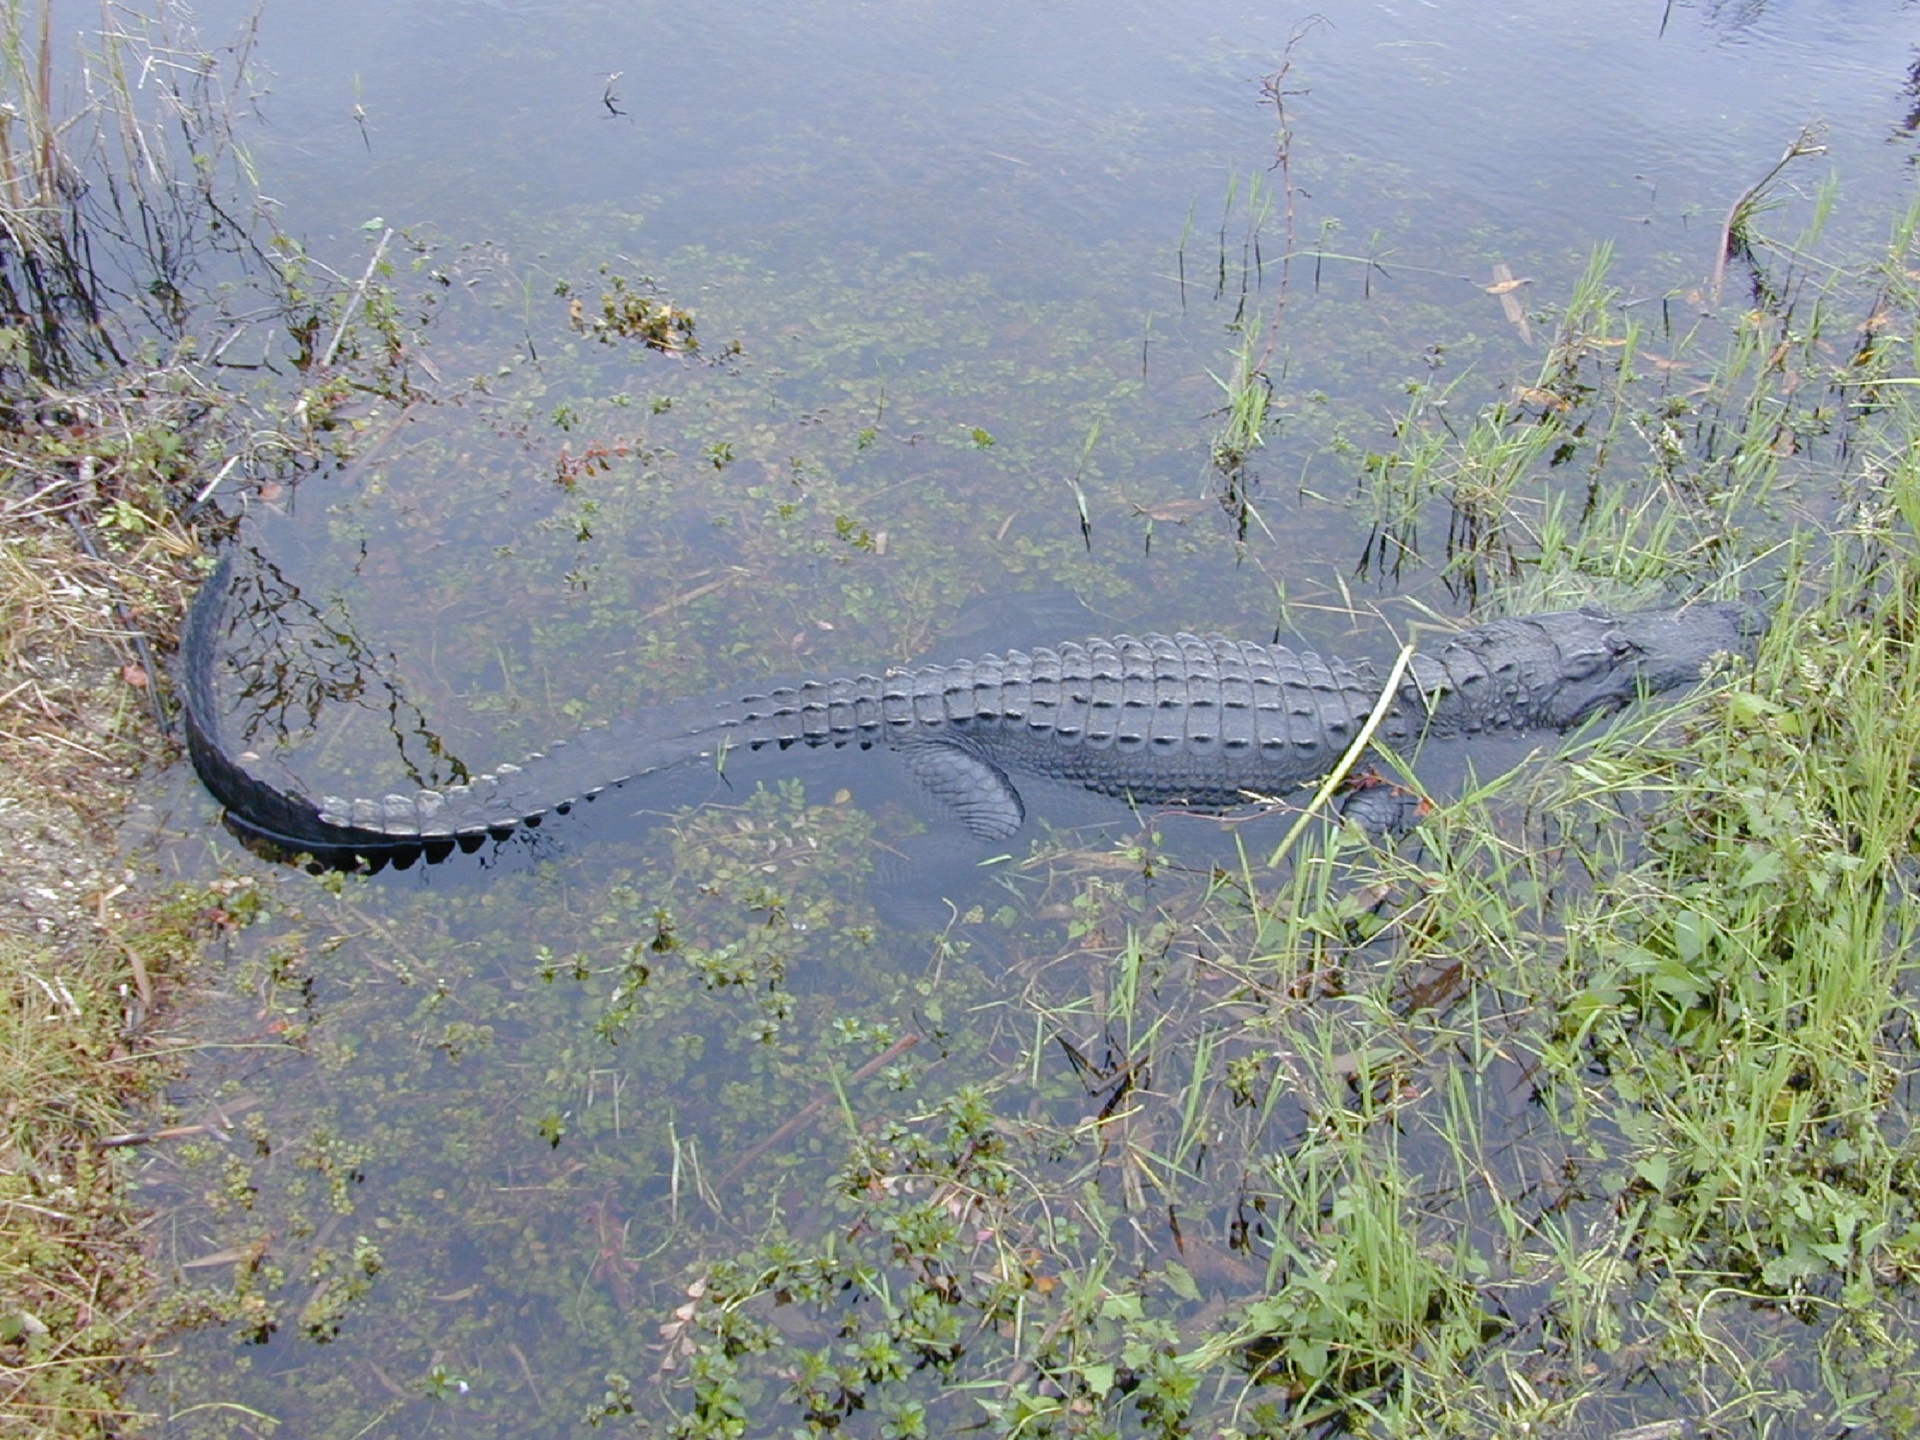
1161 720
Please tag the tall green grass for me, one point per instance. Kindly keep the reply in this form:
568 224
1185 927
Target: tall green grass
1585 1109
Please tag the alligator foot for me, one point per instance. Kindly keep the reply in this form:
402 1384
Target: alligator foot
1380 806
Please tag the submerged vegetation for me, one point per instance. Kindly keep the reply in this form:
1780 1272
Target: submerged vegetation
1583 1109
1588 1110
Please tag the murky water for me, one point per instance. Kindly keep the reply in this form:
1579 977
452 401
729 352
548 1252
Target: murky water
963 279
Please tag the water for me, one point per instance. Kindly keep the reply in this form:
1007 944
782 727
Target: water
481 1131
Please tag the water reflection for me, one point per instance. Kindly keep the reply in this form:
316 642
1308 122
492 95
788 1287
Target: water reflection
518 1134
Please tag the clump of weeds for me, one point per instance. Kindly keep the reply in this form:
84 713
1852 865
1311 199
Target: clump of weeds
1603 1073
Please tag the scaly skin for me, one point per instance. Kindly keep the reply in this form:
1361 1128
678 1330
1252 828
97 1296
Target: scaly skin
1162 720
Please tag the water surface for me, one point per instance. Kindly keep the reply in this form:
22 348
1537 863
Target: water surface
963 278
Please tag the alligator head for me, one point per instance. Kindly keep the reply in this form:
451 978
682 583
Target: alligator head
1607 661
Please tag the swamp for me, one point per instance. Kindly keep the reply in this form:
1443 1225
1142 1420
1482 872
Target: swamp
548 362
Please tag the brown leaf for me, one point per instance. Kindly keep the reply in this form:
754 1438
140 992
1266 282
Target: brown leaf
134 675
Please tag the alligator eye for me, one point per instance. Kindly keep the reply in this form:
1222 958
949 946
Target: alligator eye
1579 667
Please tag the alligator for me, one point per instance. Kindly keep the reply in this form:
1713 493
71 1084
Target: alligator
1199 721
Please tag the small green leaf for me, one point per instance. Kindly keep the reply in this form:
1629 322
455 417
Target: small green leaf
1121 1307
1762 867
1309 1356
1181 1283
1746 708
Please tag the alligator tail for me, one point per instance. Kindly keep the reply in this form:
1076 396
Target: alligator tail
283 818
398 828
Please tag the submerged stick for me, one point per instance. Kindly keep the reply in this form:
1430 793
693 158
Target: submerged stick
1805 143
1389 694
